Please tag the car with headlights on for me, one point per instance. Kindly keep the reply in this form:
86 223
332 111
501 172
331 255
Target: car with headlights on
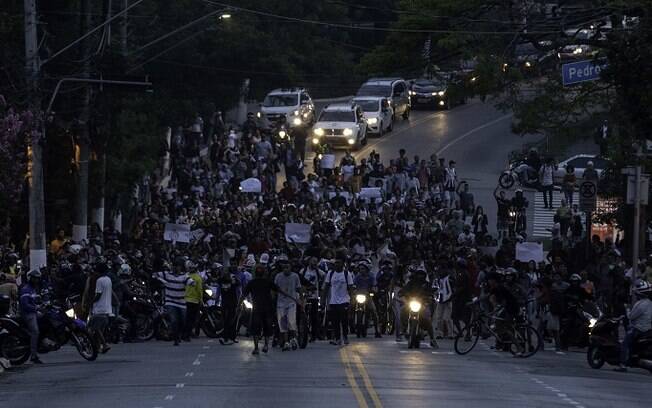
293 103
435 93
340 125
378 112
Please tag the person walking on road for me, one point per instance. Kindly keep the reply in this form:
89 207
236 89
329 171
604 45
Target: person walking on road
338 287
289 286
102 308
546 176
194 298
568 184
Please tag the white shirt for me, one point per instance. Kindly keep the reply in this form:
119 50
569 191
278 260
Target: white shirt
339 287
103 305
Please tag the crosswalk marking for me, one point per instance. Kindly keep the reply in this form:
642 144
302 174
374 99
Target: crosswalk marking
544 218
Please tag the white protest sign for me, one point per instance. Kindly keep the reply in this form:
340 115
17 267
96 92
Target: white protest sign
367 193
297 233
328 161
250 185
529 251
177 232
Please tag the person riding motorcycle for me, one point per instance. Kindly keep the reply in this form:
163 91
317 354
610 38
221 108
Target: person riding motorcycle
123 294
365 284
640 321
29 295
418 287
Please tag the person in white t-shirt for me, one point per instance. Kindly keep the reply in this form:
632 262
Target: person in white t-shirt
338 286
101 309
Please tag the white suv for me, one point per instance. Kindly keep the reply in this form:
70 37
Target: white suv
293 103
378 112
342 125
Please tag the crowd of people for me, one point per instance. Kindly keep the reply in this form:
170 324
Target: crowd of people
398 225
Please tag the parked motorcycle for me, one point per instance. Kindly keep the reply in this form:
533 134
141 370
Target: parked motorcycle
605 345
385 313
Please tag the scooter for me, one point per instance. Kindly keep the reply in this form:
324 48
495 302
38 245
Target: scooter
605 345
360 322
517 172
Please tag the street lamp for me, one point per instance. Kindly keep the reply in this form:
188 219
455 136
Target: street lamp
225 16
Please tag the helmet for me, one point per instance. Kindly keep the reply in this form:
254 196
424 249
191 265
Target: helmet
282 258
125 270
365 263
75 248
519 191
216 266
575 278
643 288
34 273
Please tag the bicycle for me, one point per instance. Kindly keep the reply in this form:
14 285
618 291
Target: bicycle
525 340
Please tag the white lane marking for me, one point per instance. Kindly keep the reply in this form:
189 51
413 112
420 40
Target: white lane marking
206 347
201 355
169 397
410 351
189 374
180 385
561 395
211 341
472 131
196 362
449 353
561 353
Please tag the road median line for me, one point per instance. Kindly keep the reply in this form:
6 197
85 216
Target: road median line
367 382
362 402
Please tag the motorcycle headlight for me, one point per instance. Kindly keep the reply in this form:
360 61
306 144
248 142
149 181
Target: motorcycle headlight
360 298
372 121
318 132
415 306
71 313
305 115
209 292
282 134
441 93
248 304
315 140
351 141
296 121
347 132
296 113
259 115
592 322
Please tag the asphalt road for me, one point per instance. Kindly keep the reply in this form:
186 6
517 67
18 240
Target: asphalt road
370 373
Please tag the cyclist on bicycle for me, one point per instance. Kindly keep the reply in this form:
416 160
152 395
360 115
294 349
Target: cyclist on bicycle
505 308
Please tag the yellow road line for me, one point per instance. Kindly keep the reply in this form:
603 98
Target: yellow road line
362 403
367 382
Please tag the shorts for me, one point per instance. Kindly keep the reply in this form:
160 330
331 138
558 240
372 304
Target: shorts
287 318
261 319
98 322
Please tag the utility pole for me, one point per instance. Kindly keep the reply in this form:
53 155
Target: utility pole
37 241
637 212
80 217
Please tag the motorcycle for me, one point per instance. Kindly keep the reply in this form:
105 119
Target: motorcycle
605 345
414 330
14 340
518 172
211 319
59 325
517 221
575 325
360 321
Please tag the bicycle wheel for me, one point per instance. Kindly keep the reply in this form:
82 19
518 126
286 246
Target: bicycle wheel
526 341
466 340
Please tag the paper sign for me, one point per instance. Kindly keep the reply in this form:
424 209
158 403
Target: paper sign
297 233
367 193
529 251
250 185
177 232
328 161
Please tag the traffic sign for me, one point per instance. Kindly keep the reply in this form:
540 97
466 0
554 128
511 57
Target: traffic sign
631 188
581 71
588 196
